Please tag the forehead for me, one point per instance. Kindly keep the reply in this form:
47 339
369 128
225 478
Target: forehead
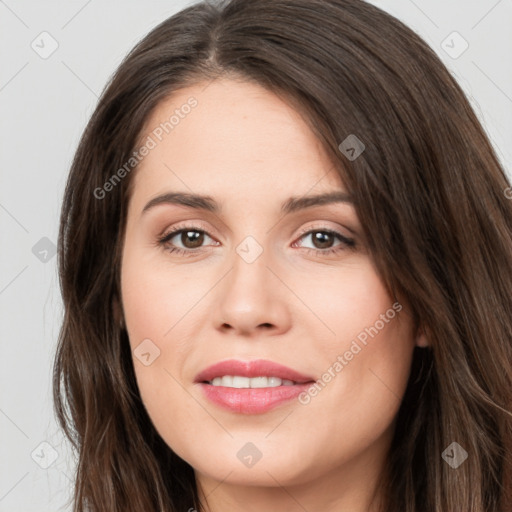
231 138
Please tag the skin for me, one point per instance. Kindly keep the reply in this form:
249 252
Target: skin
250 151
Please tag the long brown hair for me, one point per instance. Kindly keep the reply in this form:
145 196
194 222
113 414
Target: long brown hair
430 194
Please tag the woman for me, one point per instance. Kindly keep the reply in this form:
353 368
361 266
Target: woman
286 263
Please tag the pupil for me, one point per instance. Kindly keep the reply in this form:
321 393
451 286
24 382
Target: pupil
321 237
196 236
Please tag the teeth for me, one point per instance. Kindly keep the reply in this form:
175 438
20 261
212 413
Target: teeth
257 382
227 380
236 381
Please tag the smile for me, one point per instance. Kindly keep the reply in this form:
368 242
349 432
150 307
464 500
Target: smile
251 387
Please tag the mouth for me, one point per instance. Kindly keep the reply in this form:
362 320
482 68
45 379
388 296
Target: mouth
251 387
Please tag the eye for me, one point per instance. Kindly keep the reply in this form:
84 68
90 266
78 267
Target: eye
191 237
323 238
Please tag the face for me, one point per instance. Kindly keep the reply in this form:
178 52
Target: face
260 278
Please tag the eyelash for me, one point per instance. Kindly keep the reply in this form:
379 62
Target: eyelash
347 243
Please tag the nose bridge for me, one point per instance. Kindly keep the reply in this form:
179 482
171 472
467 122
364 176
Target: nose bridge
250 249
249 277
249 297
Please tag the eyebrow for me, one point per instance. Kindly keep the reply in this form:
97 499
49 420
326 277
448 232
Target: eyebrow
207 203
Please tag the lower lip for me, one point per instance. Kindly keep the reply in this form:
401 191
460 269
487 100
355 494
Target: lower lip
252 400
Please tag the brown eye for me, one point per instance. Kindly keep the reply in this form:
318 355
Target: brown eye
322 239
184 240
192 239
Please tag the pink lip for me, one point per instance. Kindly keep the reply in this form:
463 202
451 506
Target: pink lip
251 400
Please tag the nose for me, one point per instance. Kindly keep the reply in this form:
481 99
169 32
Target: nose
252 299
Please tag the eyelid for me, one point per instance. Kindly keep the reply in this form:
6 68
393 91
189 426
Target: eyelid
190 225
322 226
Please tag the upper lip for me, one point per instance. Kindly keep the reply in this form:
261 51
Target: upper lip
254 368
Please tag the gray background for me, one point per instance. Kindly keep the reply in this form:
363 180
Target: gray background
45 104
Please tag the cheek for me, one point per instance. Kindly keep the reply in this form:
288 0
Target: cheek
152 306
345 301
373 337
155 296
160 303
363 359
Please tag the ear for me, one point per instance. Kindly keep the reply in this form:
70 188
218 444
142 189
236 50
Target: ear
421 338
